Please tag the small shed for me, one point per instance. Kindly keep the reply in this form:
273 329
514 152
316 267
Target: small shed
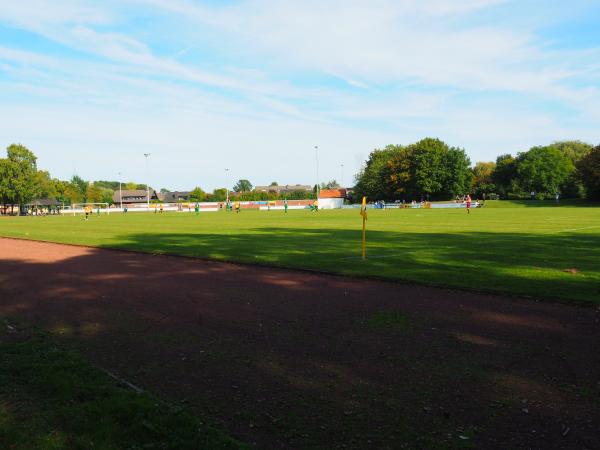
331 198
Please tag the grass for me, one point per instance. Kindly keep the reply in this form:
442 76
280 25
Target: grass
546 250
51 398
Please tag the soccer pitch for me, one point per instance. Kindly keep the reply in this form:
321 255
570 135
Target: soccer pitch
546 252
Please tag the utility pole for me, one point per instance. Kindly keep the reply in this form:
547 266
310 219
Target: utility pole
226 187
147 184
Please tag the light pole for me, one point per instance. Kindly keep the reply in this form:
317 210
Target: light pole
120 192
226 187
342 181
147 184
317 159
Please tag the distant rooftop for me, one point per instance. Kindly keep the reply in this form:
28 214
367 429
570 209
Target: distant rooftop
284 188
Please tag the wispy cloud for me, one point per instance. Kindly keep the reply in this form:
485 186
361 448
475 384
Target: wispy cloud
350 74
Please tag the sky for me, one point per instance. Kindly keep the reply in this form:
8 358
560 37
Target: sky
254 85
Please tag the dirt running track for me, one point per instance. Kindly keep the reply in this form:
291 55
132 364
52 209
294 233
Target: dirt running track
286 359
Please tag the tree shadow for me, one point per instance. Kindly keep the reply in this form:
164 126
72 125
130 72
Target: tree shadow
551 266
290 359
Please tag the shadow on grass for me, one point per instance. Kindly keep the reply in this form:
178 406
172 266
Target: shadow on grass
289 359
553 266
549 203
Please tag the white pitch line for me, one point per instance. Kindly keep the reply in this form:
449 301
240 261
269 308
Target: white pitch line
582 228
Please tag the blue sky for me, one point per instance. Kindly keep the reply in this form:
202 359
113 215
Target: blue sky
253 86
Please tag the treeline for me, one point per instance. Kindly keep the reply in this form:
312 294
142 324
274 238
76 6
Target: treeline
430 169
220 195
21 182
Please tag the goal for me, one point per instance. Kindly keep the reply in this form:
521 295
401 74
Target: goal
79 208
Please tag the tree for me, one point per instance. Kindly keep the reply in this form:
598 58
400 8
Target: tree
219 195
505 173
80 186
575 151
197 195
97 194
400 174
428 168
372 180
46 186
543 169
589 173
458 177
274 183
331 184
6 192
483 182
164 191
21 171
429 173
243 186
114 185
72 194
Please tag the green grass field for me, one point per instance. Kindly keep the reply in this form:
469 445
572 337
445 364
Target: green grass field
535 249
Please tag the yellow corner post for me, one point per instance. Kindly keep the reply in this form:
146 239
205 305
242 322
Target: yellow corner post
363 213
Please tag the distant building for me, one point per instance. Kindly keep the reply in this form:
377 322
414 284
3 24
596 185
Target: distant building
331 198
174 197
284 189
132 196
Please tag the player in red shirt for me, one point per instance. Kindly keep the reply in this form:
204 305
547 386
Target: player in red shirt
468 203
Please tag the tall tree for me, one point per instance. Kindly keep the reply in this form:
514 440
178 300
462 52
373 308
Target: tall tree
575 151
589 173
429 158
243 186
197 195
543 169
80 186
372 180
219 195
483 182
505 173
6 192
22 173
331 184
458 177
46 186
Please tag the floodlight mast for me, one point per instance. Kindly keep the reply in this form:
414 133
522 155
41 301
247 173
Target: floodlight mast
147 184
226 187
120 192
342 181
317 159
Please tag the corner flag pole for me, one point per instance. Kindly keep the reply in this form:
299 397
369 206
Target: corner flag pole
363 213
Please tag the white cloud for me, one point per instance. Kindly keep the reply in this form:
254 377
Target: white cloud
407 69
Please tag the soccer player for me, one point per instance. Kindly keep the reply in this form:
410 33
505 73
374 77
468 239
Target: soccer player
237 207
161 208
468 203
285 205
197 208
